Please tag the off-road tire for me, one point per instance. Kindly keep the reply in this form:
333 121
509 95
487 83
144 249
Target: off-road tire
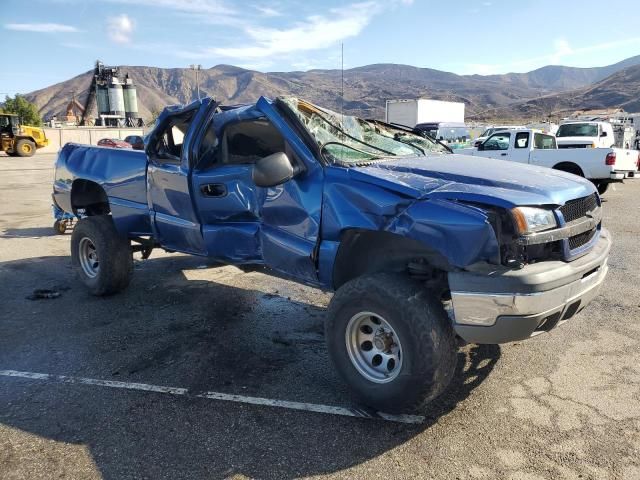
114 255
428 341
22 143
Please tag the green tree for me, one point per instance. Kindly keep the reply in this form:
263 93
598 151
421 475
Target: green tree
27 111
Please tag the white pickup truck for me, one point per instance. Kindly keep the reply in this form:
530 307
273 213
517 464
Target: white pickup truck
600 165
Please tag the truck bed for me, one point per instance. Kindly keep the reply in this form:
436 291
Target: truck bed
592 161
121 173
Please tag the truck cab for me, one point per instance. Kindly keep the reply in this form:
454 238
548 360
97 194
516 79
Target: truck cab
585 134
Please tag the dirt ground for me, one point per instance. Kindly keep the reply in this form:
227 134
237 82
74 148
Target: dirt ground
562 405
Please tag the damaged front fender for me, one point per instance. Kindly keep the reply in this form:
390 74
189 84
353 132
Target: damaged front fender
460 233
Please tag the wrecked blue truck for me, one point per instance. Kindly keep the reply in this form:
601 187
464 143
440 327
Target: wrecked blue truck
422 247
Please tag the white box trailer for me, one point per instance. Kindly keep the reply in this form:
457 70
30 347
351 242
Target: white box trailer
413 112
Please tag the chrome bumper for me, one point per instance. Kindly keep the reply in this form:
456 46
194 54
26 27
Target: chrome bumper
505 306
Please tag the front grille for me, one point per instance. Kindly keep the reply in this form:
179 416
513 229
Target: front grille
581 239
578 208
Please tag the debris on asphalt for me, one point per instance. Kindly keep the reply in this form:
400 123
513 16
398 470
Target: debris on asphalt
40 294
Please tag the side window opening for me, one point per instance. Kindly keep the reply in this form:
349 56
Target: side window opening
248 141
499 141
169 144
522 140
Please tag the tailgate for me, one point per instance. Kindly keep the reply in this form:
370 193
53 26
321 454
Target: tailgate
626 159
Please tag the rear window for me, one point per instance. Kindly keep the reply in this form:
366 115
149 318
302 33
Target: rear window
544 142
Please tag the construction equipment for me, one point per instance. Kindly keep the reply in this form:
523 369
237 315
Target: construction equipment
20 140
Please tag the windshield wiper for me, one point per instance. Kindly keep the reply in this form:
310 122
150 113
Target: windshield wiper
350 147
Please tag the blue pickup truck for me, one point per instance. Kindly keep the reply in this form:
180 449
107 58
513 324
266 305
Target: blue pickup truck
422 247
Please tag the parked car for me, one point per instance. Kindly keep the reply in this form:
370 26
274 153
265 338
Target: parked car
136 142
419 245
600 165
113 143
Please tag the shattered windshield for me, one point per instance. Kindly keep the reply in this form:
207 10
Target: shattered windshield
351 140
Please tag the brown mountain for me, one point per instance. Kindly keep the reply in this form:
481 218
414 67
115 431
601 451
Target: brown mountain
621 89
365 88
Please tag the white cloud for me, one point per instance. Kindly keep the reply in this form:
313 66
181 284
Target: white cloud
203 7
315 33
41 27
120 28
562 49
268 11
215 12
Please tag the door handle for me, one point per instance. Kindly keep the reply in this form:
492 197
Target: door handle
213 190
504 154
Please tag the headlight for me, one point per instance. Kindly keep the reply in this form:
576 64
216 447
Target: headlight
530 220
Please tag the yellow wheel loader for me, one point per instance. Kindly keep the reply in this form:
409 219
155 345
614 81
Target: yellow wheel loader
20 140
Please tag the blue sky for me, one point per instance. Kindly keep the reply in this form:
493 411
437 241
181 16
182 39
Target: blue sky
48 41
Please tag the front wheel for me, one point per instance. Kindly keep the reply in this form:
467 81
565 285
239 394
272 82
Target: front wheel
101 257
391 341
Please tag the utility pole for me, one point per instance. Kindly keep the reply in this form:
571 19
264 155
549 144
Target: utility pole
196 68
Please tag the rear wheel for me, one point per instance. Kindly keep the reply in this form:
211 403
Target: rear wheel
569 168
101 257
25 148
391 341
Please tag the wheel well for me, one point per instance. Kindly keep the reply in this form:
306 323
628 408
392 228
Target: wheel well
569 167
366 252
89 196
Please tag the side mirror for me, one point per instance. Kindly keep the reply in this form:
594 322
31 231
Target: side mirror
603 134
481 146
272 170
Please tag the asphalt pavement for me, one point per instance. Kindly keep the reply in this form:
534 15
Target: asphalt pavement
202 371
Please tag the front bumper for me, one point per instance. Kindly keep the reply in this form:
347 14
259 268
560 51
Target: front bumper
493 305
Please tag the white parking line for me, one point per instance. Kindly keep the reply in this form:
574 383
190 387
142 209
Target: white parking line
225 397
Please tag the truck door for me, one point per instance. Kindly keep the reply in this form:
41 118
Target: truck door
175 220
243 223
496 146
522 147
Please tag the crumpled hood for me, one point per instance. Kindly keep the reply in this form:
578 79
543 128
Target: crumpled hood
478 179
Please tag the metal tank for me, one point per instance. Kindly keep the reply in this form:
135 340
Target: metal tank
102 98
116 97
130 99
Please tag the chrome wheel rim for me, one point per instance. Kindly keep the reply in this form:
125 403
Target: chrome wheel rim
88 256
374 347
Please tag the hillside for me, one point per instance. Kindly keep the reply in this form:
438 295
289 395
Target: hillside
621 89
366 88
